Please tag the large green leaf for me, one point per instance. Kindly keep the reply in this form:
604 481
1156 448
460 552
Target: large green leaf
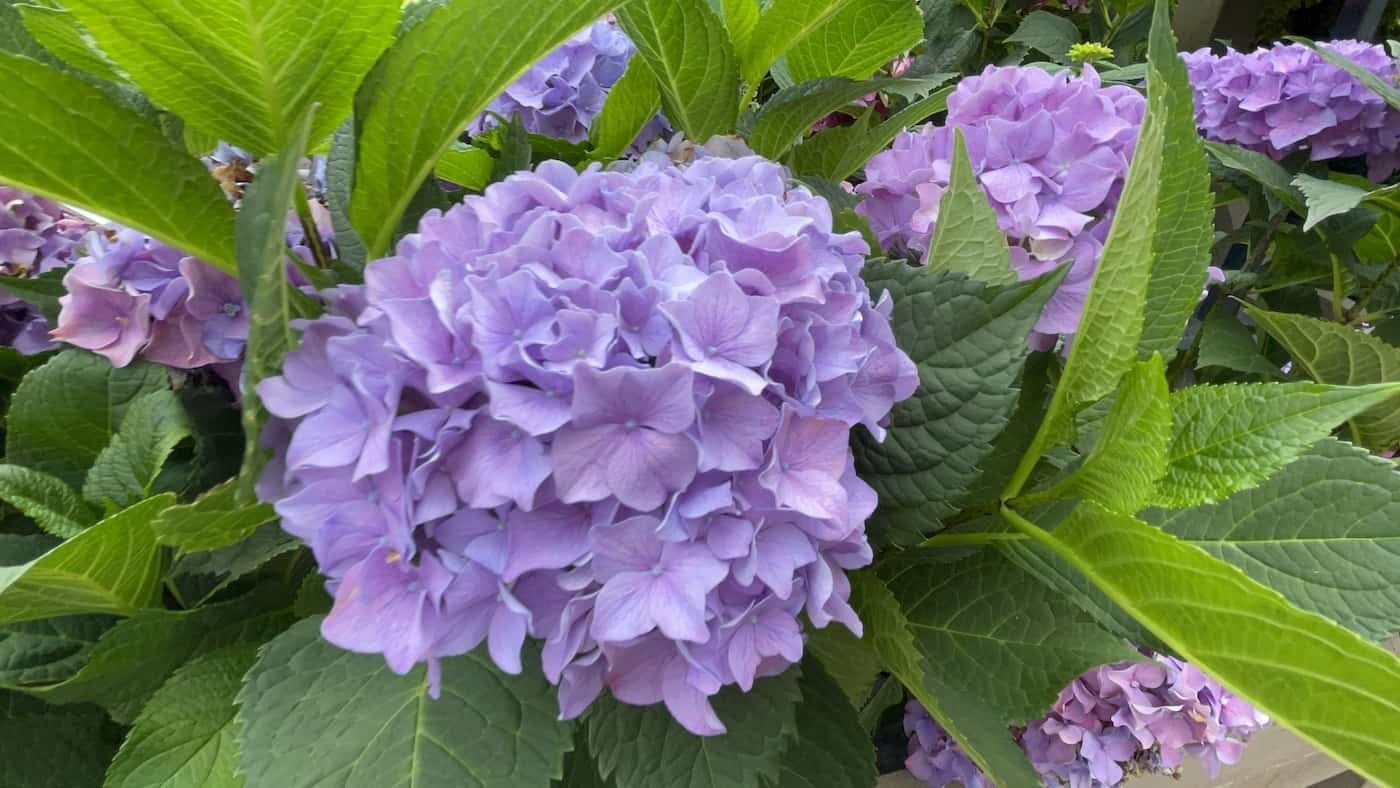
1312 676
48 650
312 713
1130 453
112 567
126 470
685 46
245 71
44 499
64 413
1274 177
214 520
832 749
437 77
856 40
740 18
644 747
787 116
69 148
63 35
631 103
969 343
46 747
1050 34
1230 438
1324 532
967 238
184 737
784 23
975 724
849 660
133 658
840 151
1228 343
1334 353
262 275
983 624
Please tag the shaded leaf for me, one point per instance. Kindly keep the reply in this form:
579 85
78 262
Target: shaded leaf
214 520
126 470
44 499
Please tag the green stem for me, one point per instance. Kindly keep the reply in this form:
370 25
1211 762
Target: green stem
1029 529
308 227
970 540
1338 312
1033 452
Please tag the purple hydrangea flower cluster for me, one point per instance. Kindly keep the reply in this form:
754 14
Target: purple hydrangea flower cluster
1051 152
36 236
134 295
1287 98
1114 720
608 410
560 95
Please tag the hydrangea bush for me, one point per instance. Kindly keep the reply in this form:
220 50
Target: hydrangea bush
675 393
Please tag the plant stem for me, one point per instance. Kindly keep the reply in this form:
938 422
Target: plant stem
1338 312
308 227
970 540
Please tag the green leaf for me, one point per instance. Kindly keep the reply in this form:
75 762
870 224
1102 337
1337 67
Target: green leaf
66 149
340 179
48 650
579 769
314 713
1313 677
787 116
466 166
1230 438
838 152
1050 34
63 35
1277 181
133 658
686 48
45 500
262 275
184 737
969 343
1324 532
43 291
245 71
64 413
112 567
856 40
783 24
1334 353
967 238
986 626
631 103
215 520
126 471
644 747
1327 198
1386 89
849 660
740 17
976 725
832 749
442 73
1130 454
1226 342
208 572
46 747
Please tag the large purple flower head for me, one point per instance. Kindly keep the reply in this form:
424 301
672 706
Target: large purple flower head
1287 98
36 236
132 295
1051 152
560 95
608 410
1113 721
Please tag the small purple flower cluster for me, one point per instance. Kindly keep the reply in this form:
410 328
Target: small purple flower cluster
560 95
36 236
1112 721
1051 152
608 410
1287 98
134 295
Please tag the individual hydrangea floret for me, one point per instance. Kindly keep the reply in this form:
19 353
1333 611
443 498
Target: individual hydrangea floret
1287 98
607 410
561 95
1051 152
1113 721
36 236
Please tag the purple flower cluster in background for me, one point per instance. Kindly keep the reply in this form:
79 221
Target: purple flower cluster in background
36 236
1287 98
1113 721
608 410
1051 152
560 95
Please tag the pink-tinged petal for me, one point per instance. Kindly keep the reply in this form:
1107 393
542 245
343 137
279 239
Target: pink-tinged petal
689 706
380 608
580 462
645 466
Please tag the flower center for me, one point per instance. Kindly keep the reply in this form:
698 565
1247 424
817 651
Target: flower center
631 424
231 309
657 569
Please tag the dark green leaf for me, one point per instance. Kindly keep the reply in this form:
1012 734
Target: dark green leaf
1226 342
48 747
832 749
43 291
48 650
46 500
215 520
1048 33
126 470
